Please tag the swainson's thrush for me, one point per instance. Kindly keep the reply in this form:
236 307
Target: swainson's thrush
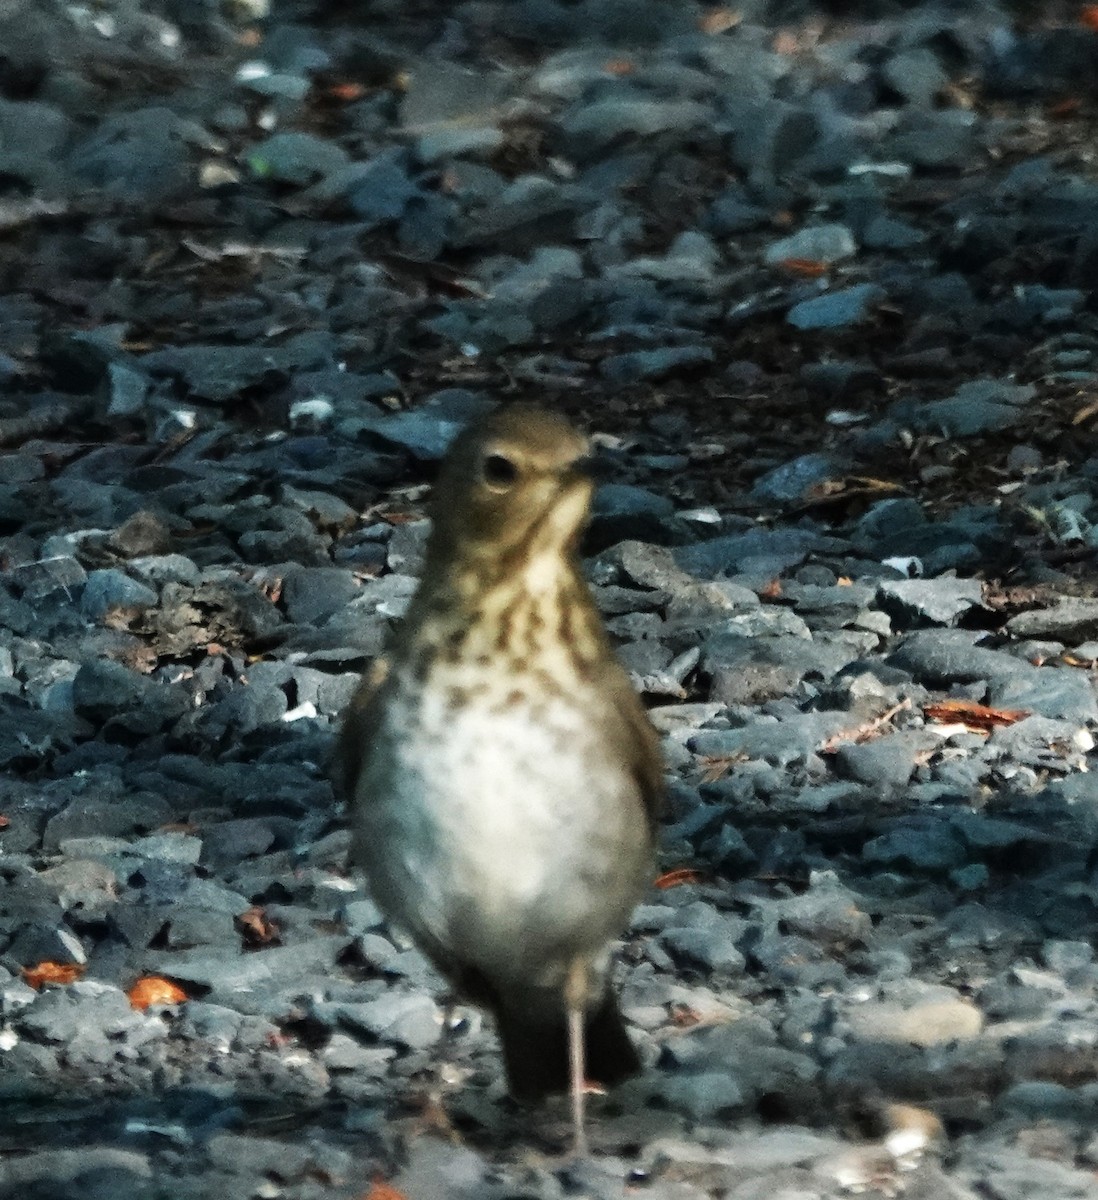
502 774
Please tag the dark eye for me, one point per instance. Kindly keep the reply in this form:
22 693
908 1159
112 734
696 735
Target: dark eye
499 471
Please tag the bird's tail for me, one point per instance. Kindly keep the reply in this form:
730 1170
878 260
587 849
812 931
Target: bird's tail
535 1052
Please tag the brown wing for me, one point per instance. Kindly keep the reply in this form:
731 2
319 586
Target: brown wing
357 731
639 745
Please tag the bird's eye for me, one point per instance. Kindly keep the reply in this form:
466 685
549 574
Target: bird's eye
499 472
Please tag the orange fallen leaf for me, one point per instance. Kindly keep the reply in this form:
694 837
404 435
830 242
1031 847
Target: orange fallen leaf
619 66
346 92
678 877
808 267
978 717
771 590
384 1191
51 972
152 989
1089 16
4 821
258 929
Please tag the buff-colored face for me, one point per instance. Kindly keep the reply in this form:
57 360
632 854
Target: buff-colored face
515 480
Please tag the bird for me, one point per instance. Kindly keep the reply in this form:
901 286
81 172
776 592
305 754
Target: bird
503 779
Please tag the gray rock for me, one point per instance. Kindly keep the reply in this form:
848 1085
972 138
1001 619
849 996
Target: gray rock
450 110
778 549
817 243
932 1022
638 365
262 971
33 135
412 1021
80 1014
711 948
241 1154
107 690
833 310
941 601
886 763
59 1165
111 592
595 126
1060 693
939 658
218 373
36 580
792 482
437 1170
925 845
1071 619
704 1095
916 74
886 233
140 153
752 670
294 157
936 139
621 512
978 406
794 739
313 594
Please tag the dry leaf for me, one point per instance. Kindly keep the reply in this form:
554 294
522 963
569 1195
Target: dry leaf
807 267
1085 413
51 972
619 66
384 1191
258 929
977 717
863 733
345 93
677 877
771 591
152 989
829 490
717 766
684 1017
1089 16
4 821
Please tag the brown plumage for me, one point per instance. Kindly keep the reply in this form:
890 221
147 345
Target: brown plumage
503 777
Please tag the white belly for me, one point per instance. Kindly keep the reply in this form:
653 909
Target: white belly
502 836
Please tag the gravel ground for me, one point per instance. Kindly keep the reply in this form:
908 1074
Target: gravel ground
820 285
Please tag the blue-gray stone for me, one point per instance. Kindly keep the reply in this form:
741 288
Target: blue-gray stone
836 309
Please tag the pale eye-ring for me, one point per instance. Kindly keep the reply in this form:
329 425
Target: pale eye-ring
499 471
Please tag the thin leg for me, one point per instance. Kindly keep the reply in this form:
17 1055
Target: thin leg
577 1079
575 996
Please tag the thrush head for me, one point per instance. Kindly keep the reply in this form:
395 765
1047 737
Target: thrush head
515 480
